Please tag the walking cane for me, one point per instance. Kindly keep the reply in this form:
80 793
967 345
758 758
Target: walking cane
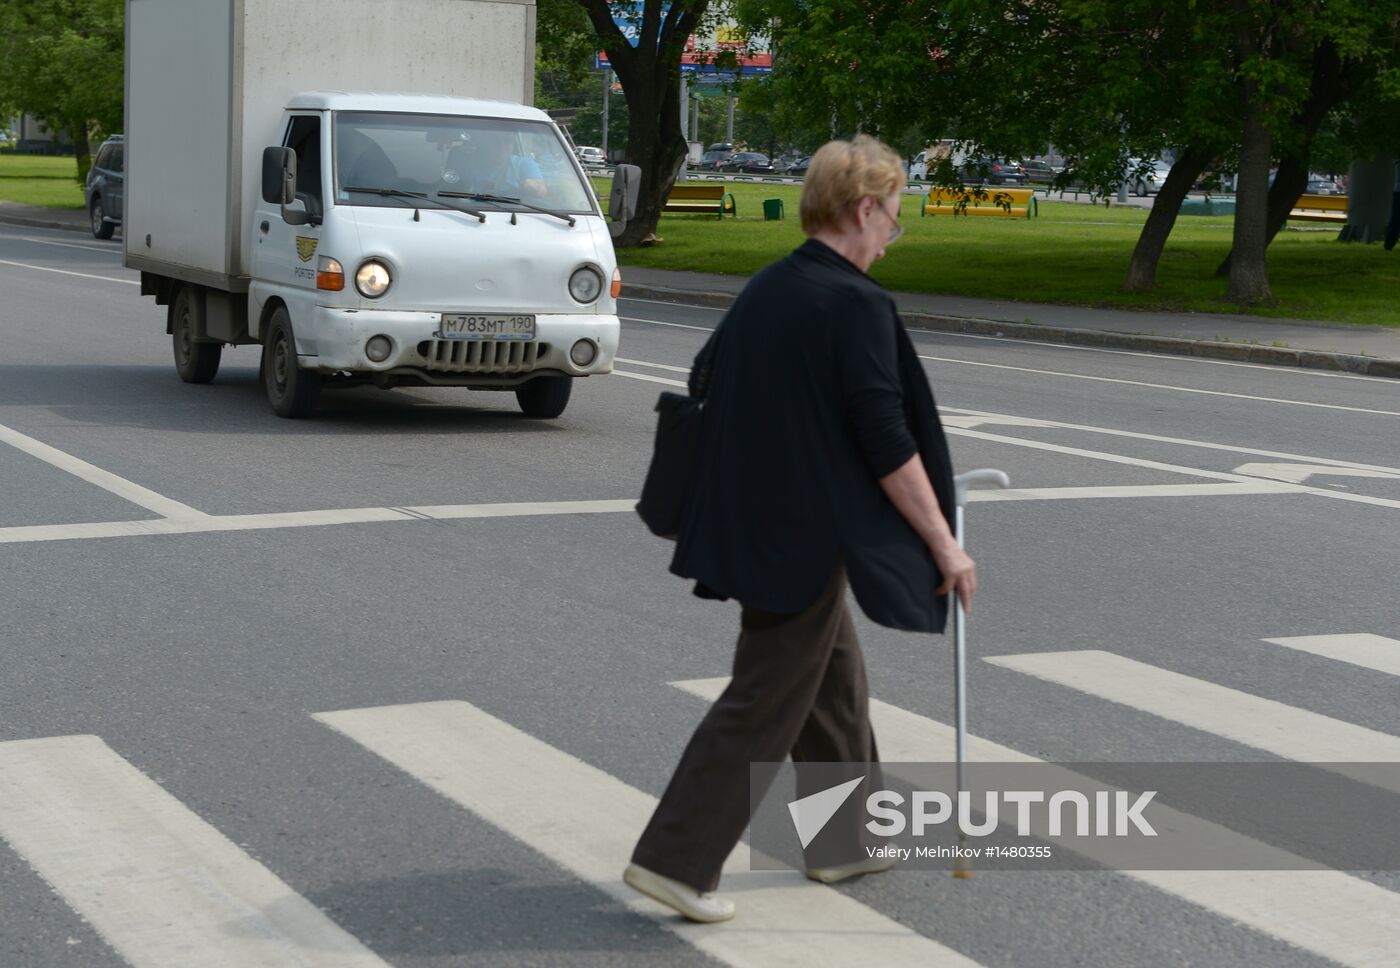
982 478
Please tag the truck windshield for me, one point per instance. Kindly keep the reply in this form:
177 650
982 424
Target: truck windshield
492 160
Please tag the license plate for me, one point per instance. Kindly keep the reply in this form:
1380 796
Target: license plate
486 326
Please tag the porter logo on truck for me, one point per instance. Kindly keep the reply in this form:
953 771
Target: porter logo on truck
306 248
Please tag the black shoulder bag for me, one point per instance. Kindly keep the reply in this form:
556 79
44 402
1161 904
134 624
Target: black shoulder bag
675 456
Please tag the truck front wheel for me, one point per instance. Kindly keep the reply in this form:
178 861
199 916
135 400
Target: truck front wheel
292 391
196 362
545 397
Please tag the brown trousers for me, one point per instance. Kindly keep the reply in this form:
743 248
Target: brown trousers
798 689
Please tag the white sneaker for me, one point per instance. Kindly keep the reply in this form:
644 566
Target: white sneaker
706 908
830 875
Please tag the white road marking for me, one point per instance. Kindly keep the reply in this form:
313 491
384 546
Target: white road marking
648 378
69 272
587 821
660 322
1172 468
110 250
655 366
120 486
1161 386
1360 648
1263 724
1223 489
1344 919
674 305
1010 420
161 885
1298 473
209 523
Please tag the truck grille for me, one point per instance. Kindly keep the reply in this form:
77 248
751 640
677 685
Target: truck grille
482 356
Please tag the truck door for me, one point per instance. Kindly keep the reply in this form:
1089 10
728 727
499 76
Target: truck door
285 256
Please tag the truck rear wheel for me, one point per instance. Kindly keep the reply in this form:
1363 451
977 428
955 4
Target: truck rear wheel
196 362
545 397
292 391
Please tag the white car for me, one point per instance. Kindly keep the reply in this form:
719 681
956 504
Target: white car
590 157
1151 182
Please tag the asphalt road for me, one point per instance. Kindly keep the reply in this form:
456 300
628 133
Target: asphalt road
1171 515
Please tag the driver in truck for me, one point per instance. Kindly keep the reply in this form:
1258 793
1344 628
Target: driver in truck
492 166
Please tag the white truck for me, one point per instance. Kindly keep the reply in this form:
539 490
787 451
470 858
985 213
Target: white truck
391 237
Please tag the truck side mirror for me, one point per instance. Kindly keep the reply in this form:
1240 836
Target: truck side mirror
622 204
279 184
279 176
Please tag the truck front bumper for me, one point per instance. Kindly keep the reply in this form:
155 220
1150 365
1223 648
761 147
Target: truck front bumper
417 355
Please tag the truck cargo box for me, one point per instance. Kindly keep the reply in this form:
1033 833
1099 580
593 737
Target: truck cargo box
207 82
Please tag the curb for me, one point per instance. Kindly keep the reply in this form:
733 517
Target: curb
39 223
1175 346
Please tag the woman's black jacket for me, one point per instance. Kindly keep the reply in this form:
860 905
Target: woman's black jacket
814 393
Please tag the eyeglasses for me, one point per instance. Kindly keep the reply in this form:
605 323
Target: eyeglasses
896 230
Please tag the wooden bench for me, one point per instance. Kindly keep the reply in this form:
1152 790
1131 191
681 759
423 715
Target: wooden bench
1006 202
701 200
1319 208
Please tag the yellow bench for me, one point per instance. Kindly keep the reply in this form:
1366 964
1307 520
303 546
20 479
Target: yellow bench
701 200
1007 202
1319 208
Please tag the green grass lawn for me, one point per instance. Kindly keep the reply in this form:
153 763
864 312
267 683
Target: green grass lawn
39 180
1073 254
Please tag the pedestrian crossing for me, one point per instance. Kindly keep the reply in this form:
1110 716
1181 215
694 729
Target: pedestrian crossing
165 888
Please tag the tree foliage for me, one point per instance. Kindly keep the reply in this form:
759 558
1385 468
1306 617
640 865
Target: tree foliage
63 62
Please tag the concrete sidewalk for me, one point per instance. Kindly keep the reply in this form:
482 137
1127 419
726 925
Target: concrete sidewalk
1371 350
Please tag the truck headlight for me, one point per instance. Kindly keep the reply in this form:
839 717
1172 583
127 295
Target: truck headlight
585 285
373 279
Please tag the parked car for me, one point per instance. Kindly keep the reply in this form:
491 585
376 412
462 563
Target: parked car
993 171
590 157
799 167
714 156
748 163
106 187
1323 185
1039 171
1151 182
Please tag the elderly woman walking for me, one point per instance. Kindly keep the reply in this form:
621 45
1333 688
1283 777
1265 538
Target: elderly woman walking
822 462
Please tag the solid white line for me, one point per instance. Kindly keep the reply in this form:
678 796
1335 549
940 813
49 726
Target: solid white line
67 272
1157 438
1298 473
1222 489
1264 724
160 884
659 322
648 378
1360 648
655 366
72 245
1342 918
1161 386
120 486
677 305
586 821
206 524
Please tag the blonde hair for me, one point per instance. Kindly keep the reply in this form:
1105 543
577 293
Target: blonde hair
841 174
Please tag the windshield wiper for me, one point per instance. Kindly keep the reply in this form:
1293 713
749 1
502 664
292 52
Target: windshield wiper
483 197
417 197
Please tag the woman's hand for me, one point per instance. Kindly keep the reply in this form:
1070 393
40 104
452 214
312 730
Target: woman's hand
958 570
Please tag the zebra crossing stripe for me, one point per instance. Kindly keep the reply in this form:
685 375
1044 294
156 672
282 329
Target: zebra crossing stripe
162 886
586 821
1362 649
1342 918
1264 724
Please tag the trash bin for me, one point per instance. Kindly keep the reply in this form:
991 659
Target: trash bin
772 209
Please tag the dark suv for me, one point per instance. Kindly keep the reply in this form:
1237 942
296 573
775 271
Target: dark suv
106 195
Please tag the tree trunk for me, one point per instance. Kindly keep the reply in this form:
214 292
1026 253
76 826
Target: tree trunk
78 131
1249 270
1290 182
1142 270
